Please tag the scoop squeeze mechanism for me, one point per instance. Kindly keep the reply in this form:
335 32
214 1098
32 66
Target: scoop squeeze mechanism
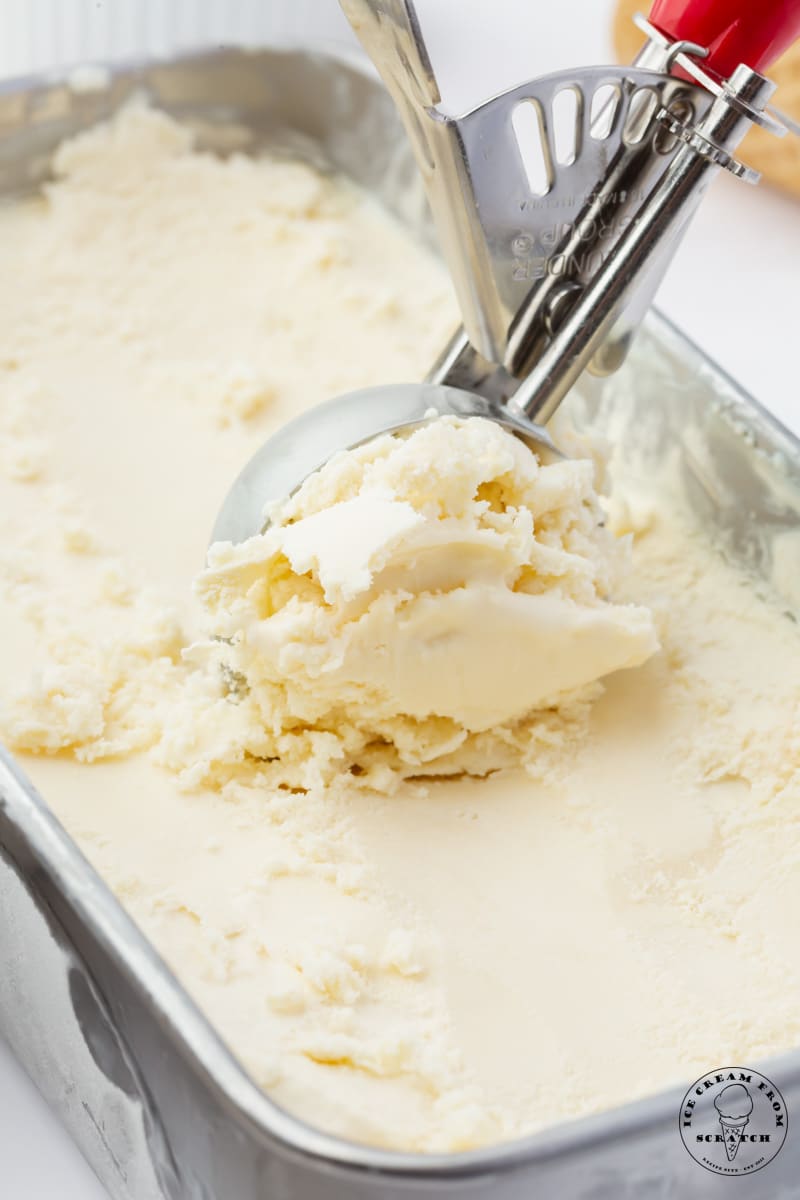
557 235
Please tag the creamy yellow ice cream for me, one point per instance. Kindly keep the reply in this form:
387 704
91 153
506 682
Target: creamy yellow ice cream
415 962
420 600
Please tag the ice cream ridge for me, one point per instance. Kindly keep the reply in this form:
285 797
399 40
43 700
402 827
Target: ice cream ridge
419 600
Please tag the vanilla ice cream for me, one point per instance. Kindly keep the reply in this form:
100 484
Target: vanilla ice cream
421 600
584 912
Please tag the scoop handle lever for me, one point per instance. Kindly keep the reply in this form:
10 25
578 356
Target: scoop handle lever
753 32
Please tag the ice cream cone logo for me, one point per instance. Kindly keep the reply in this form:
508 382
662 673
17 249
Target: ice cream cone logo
734 1105
733 1121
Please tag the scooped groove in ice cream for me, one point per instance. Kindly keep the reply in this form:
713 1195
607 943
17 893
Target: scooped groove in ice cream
421 590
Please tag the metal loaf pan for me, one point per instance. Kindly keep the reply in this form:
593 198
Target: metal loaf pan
157 1103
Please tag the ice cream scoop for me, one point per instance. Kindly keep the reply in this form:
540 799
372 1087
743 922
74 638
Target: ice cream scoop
309 441
557 223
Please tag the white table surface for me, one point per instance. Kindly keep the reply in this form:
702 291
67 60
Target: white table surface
735 285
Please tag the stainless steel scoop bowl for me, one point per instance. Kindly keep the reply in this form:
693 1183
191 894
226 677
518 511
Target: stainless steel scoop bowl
557 230
305 444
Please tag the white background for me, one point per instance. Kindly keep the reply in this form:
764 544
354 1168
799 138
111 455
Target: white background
734 285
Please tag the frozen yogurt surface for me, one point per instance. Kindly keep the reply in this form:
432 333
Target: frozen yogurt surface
462 800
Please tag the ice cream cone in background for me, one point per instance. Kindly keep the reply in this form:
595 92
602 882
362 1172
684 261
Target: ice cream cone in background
777 158
734 1105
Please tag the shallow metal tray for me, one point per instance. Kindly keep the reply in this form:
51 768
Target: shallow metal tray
157 1103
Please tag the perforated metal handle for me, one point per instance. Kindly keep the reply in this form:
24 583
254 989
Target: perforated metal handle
754 32
553 267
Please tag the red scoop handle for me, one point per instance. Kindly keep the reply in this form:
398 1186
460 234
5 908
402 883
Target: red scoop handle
754 32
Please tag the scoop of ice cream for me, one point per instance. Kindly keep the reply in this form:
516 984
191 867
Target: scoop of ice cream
446 576
734 1102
